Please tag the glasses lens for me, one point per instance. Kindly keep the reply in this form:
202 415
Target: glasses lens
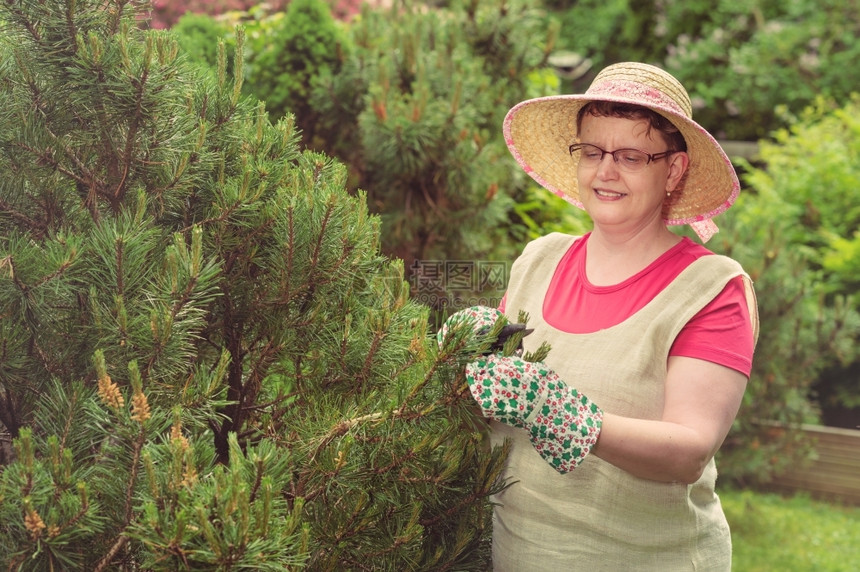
630 159
626 159
588 154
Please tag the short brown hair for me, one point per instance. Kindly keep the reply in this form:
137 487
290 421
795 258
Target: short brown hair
657 122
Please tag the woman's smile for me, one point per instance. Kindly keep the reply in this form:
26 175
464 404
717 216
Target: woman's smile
611 195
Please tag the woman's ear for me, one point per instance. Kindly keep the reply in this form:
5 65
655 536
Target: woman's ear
678 163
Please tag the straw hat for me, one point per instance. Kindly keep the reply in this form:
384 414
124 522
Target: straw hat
539 131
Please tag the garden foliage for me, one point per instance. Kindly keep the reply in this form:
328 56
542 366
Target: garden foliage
413 105
303 45
807 329
750 65
794 232
791 533
416 111
206 362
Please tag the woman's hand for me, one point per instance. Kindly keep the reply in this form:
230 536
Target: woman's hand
483 320
563 424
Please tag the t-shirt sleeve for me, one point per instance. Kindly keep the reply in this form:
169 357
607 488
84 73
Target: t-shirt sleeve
721 332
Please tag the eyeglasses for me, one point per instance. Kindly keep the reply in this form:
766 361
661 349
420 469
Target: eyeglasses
630 160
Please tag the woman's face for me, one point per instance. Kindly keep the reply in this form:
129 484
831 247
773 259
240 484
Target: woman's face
618 199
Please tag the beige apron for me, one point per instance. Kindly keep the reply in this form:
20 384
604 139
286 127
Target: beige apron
600 517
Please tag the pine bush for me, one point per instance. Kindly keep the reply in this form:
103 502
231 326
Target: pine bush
205 360
411 98
416 111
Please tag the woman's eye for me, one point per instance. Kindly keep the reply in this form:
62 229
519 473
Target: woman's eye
633 158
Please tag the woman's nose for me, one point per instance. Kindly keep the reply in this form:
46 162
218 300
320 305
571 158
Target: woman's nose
607 168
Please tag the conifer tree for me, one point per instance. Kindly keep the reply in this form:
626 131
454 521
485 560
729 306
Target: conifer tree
416 110
205 360
411 98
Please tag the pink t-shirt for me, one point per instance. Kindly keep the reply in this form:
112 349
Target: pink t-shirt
720 333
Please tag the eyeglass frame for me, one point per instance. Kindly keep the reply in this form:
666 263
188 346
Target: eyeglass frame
603 152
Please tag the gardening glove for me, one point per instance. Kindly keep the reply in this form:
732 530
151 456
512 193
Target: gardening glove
482 320
563 424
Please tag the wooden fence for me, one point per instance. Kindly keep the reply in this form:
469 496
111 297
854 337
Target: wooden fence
834 474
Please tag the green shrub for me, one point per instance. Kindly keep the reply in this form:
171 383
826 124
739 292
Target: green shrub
417 110
414 108
301 46
748 65
814 166
206 363
782 229
199 35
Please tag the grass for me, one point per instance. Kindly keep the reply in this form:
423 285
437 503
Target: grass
773 533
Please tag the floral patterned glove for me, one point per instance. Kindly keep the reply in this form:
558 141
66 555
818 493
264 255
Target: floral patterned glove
563 424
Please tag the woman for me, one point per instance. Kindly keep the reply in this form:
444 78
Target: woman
652 338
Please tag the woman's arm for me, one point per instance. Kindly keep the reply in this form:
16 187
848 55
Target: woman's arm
702 400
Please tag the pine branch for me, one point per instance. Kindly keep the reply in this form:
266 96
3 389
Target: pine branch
364 374
132 481
67 426
121 538
31 322
462 504
87 180
25 221
85 507
259 369
9 415
312 284
112 553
